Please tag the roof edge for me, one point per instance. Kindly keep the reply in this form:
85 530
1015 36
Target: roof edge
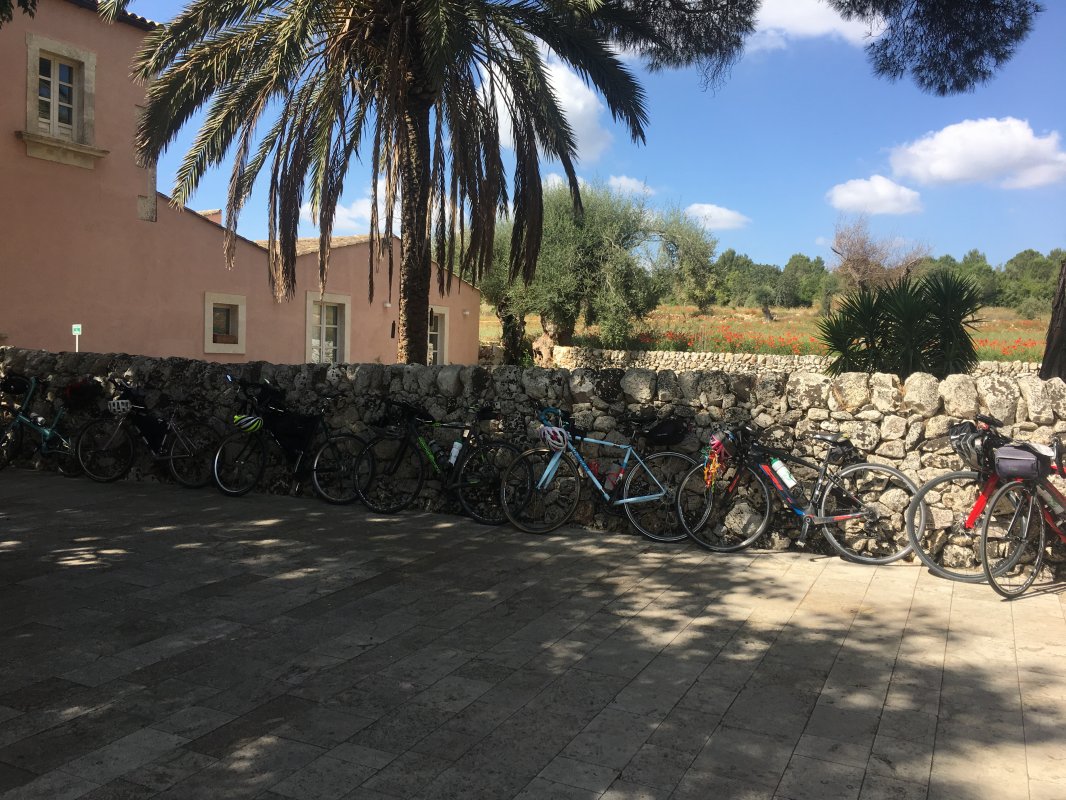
143 23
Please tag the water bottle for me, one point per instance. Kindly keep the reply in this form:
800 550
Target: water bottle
789 480
614 474
454 454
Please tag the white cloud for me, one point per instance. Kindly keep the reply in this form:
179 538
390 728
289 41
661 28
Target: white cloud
553 180
781 21
583 110
355 217
716 218
1003 151
877 195
627 185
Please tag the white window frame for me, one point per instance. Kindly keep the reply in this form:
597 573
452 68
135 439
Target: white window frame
345 337
77 150
442 312
212 299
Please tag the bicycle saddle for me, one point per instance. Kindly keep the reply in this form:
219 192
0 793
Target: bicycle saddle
831 438
988 420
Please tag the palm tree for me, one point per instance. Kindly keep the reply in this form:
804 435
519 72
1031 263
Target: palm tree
419 85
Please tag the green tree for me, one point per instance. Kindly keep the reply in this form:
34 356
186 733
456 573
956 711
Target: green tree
685 259
905 326
1030 274
594 268
800 281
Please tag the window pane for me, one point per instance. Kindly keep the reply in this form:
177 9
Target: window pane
44 68
66 73
316 316
66 94
44 89
331 314
223 319
65 115
44 109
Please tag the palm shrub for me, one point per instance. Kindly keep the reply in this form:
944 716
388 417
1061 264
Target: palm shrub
904 327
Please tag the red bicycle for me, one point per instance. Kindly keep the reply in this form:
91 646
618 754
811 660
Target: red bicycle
1013 544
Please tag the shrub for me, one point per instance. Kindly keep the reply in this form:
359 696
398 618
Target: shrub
905 327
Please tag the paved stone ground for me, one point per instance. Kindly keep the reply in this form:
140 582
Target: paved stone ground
158 642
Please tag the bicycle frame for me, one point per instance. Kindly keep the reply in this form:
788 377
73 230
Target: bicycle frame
553 465
44 432
762 455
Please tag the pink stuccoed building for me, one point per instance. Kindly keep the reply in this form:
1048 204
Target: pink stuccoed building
86 239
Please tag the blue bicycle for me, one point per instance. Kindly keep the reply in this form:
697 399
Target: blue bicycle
54 440
541 488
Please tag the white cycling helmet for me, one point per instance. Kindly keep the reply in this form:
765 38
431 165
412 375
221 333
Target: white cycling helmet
555 438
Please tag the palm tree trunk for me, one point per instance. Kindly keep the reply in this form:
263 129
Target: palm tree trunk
1054 364
415 264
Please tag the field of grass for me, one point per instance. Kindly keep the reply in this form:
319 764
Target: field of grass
1000 336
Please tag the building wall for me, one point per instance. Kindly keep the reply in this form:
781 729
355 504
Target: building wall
79 246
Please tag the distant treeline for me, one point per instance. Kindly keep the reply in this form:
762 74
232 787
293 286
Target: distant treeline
1025 283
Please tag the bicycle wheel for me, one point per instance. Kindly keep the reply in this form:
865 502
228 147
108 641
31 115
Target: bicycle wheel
881 495
478 477
531 507
105 450
728 516
239 463
389 474
657 519
333 470
192 454
1012 539
10 438
937 526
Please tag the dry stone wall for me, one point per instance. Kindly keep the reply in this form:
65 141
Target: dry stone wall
903 424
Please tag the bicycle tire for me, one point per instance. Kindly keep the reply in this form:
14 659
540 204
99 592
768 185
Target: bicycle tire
883 493
1012 539
949 500
389 474
11 435
105 450
536 510
657 519
333 470
239 463
478 477
191 457
730 515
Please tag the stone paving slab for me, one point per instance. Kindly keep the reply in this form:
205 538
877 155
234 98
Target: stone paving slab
163 643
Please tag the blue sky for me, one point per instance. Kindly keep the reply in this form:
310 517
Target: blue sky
801 137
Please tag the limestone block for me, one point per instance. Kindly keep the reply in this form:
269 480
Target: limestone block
1037 399
807 390
865 435
959 394
999 395
893 428
885 392
449 380
849 392
638 385
921 393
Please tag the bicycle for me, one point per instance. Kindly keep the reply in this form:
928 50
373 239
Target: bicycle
106 447
542 487
241 457
1012 544
393 468
724 503
53 438
947 541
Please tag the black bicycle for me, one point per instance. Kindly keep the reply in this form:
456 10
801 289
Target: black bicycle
106 447
724 502
394 466
306 443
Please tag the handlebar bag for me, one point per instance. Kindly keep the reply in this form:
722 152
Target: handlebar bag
1017 462
666 433
13 383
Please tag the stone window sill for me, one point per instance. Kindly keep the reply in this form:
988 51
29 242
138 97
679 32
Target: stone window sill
60 150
